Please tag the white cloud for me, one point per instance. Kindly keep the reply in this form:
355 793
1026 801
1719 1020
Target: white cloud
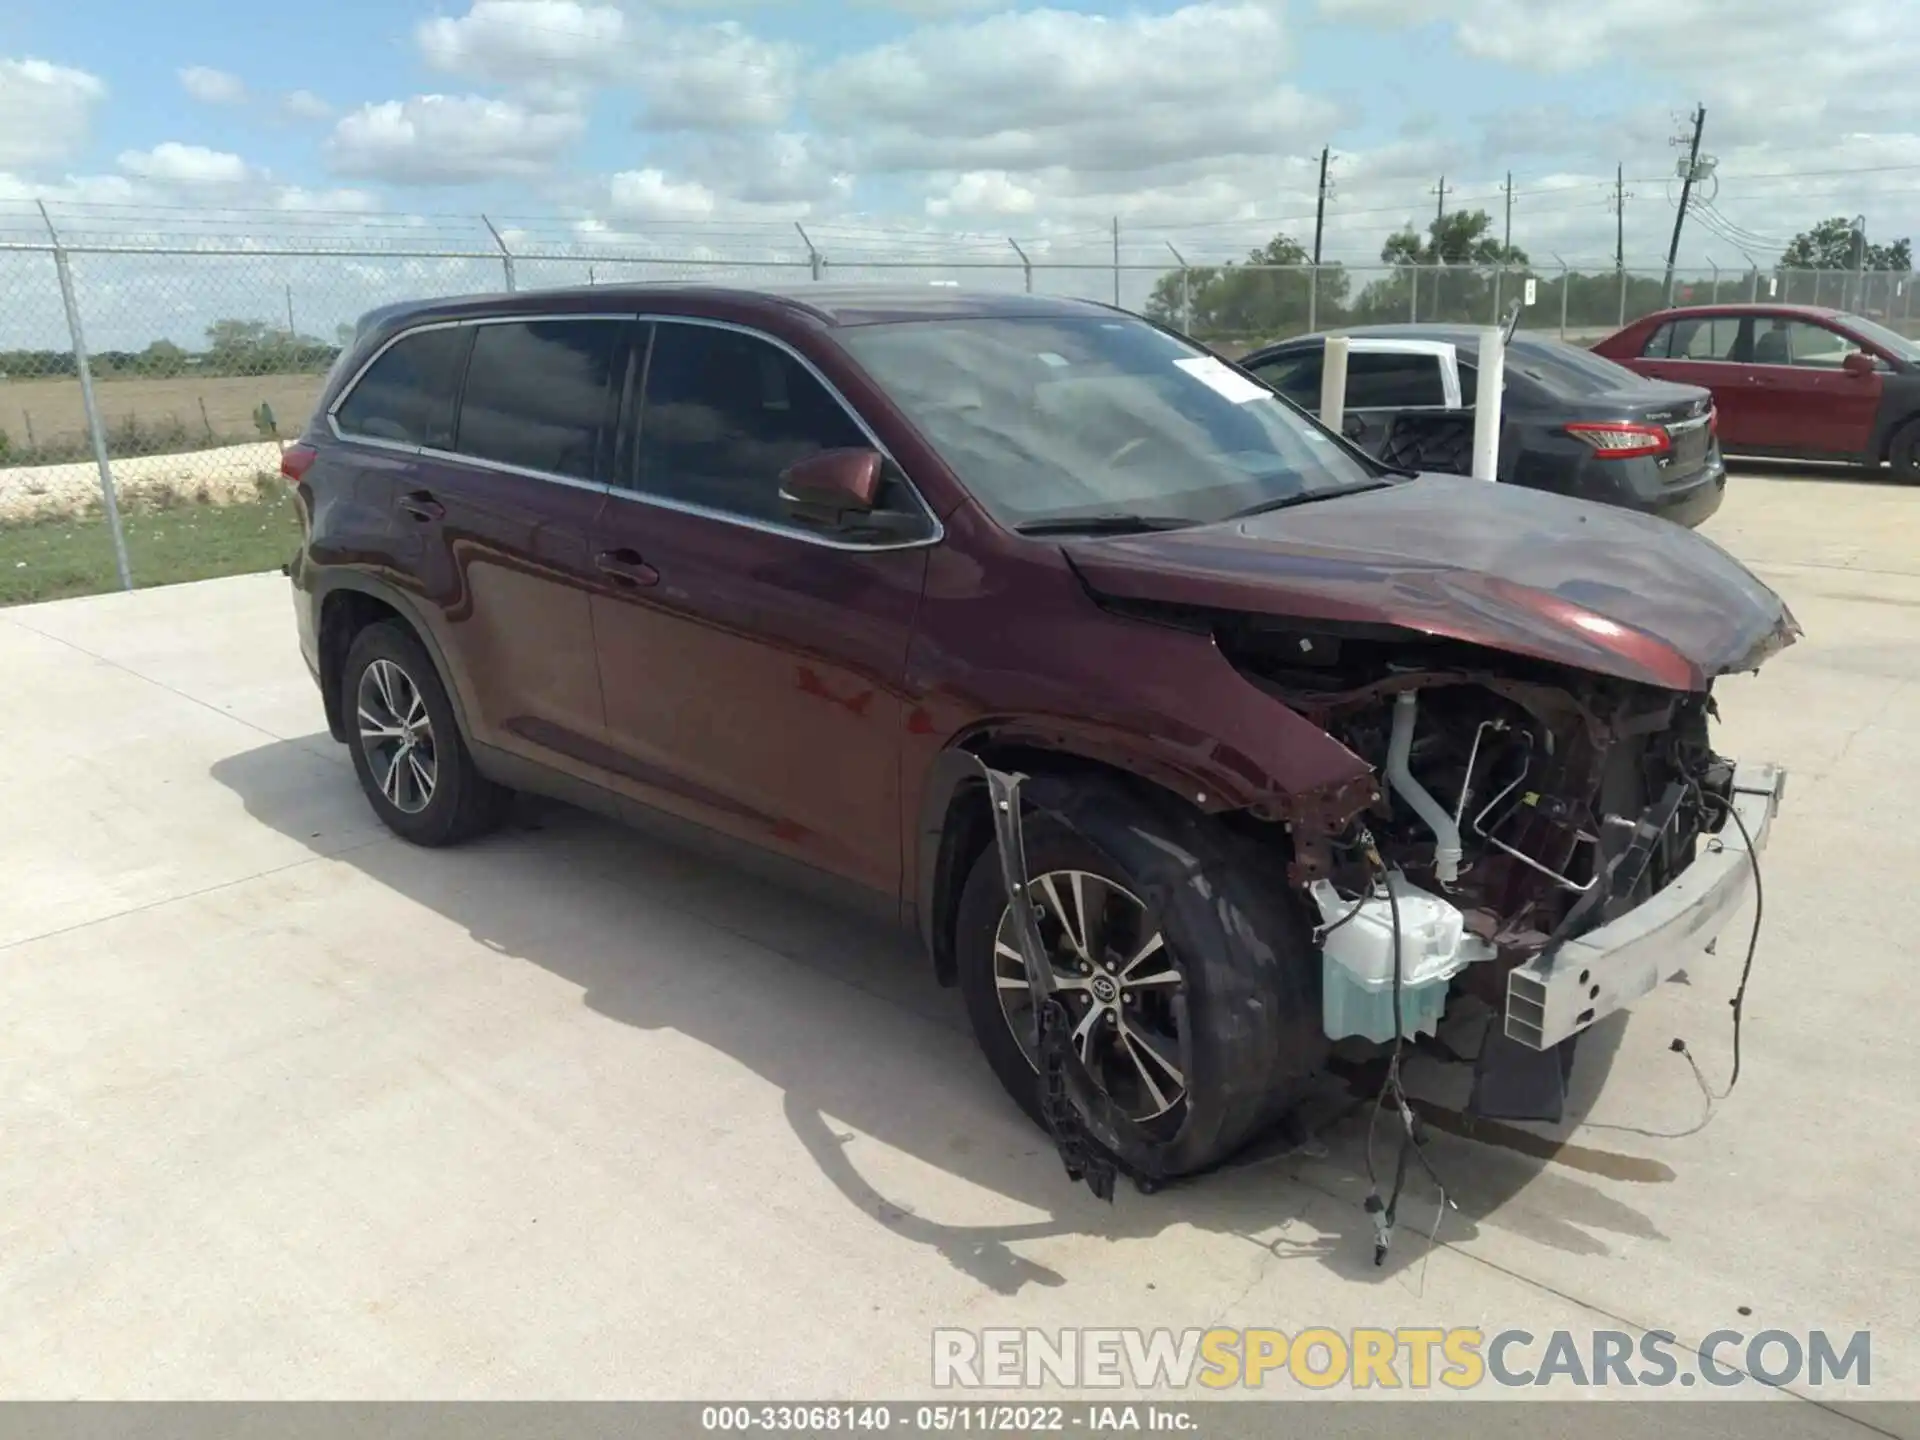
450 139
213 87
650 195
298 199
984 193
717 77
1029 89
305 105
45 110
554 53
187 166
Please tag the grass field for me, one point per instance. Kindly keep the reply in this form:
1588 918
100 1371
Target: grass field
52 559
46 414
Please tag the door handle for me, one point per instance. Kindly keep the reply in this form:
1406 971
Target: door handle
626 567
422 506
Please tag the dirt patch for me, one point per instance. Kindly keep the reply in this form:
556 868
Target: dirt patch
46 413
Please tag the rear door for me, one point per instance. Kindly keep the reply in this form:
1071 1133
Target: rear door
753 666
1385 378
1804 401
511 502
1711 350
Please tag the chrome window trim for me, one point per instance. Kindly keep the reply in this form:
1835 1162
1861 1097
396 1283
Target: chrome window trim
794 532
617 491
468 321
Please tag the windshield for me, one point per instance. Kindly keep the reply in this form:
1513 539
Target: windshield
1055 417
1894 343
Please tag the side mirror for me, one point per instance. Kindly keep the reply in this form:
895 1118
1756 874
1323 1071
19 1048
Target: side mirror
1859 363
838 489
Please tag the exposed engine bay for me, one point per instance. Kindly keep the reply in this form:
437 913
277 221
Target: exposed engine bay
1507 788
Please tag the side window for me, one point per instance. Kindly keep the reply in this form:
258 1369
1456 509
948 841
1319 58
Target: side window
1660 344
725 413
406 396
1296 376
1817 346
1712 338
1383 380
537 394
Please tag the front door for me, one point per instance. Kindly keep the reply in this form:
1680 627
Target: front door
1808 403
752 666
514 498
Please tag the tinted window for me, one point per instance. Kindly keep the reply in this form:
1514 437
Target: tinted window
1389 381
1712 338
537 394
1567 369
1296 376
1659 344
725 413
406 396
1057 417
1890 341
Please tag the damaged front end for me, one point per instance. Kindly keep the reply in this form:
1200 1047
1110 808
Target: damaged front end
1559 842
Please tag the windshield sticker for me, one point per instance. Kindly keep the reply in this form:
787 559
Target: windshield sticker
1221 380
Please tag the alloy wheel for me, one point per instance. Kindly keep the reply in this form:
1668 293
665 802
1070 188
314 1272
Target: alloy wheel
396 735
1117 979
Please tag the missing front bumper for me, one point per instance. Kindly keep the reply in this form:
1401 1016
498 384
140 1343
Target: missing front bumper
1556 996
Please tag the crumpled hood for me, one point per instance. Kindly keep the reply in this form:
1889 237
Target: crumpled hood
1599 588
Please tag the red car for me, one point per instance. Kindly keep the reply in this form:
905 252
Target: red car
1795 381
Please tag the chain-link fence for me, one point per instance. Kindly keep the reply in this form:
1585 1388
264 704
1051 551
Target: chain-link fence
147 383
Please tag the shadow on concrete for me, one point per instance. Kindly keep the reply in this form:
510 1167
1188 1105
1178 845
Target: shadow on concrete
833 1008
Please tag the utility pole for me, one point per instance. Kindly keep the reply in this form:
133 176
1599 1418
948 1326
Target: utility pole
1620 197
1320 209
1440 210
1686 193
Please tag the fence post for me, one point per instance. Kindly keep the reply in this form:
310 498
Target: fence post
1499 273
1413 297
1116 262
1623 298
506 255
1753 290
1026 265
814 257
1566 285
96 431
1313 299
1716 279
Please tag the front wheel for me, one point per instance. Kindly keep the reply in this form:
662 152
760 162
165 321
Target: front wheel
412 761
1903 451
1182 960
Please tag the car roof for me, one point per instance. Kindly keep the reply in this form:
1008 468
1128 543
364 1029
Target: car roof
828 303
1754 307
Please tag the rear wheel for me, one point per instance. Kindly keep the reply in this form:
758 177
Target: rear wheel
1182 961
1903 451
406 744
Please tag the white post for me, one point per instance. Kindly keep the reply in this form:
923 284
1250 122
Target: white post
1333 383
1486 405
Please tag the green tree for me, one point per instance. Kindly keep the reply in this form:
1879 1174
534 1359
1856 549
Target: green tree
161 358
1447 274
1266 297
1836 245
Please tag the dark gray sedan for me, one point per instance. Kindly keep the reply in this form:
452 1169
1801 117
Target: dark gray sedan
1572 421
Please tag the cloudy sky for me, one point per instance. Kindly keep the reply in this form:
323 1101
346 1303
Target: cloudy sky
1196 124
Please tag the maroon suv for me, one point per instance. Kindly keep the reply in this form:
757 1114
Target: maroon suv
948 597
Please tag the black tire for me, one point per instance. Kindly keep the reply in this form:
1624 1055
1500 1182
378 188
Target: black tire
462 802
1903 451
1250 1037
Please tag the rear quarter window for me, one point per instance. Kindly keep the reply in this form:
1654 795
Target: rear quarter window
406 396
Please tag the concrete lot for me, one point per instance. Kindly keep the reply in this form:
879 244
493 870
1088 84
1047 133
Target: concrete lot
294 1110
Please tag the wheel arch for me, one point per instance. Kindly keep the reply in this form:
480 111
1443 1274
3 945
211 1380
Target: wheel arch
348 605
955 826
